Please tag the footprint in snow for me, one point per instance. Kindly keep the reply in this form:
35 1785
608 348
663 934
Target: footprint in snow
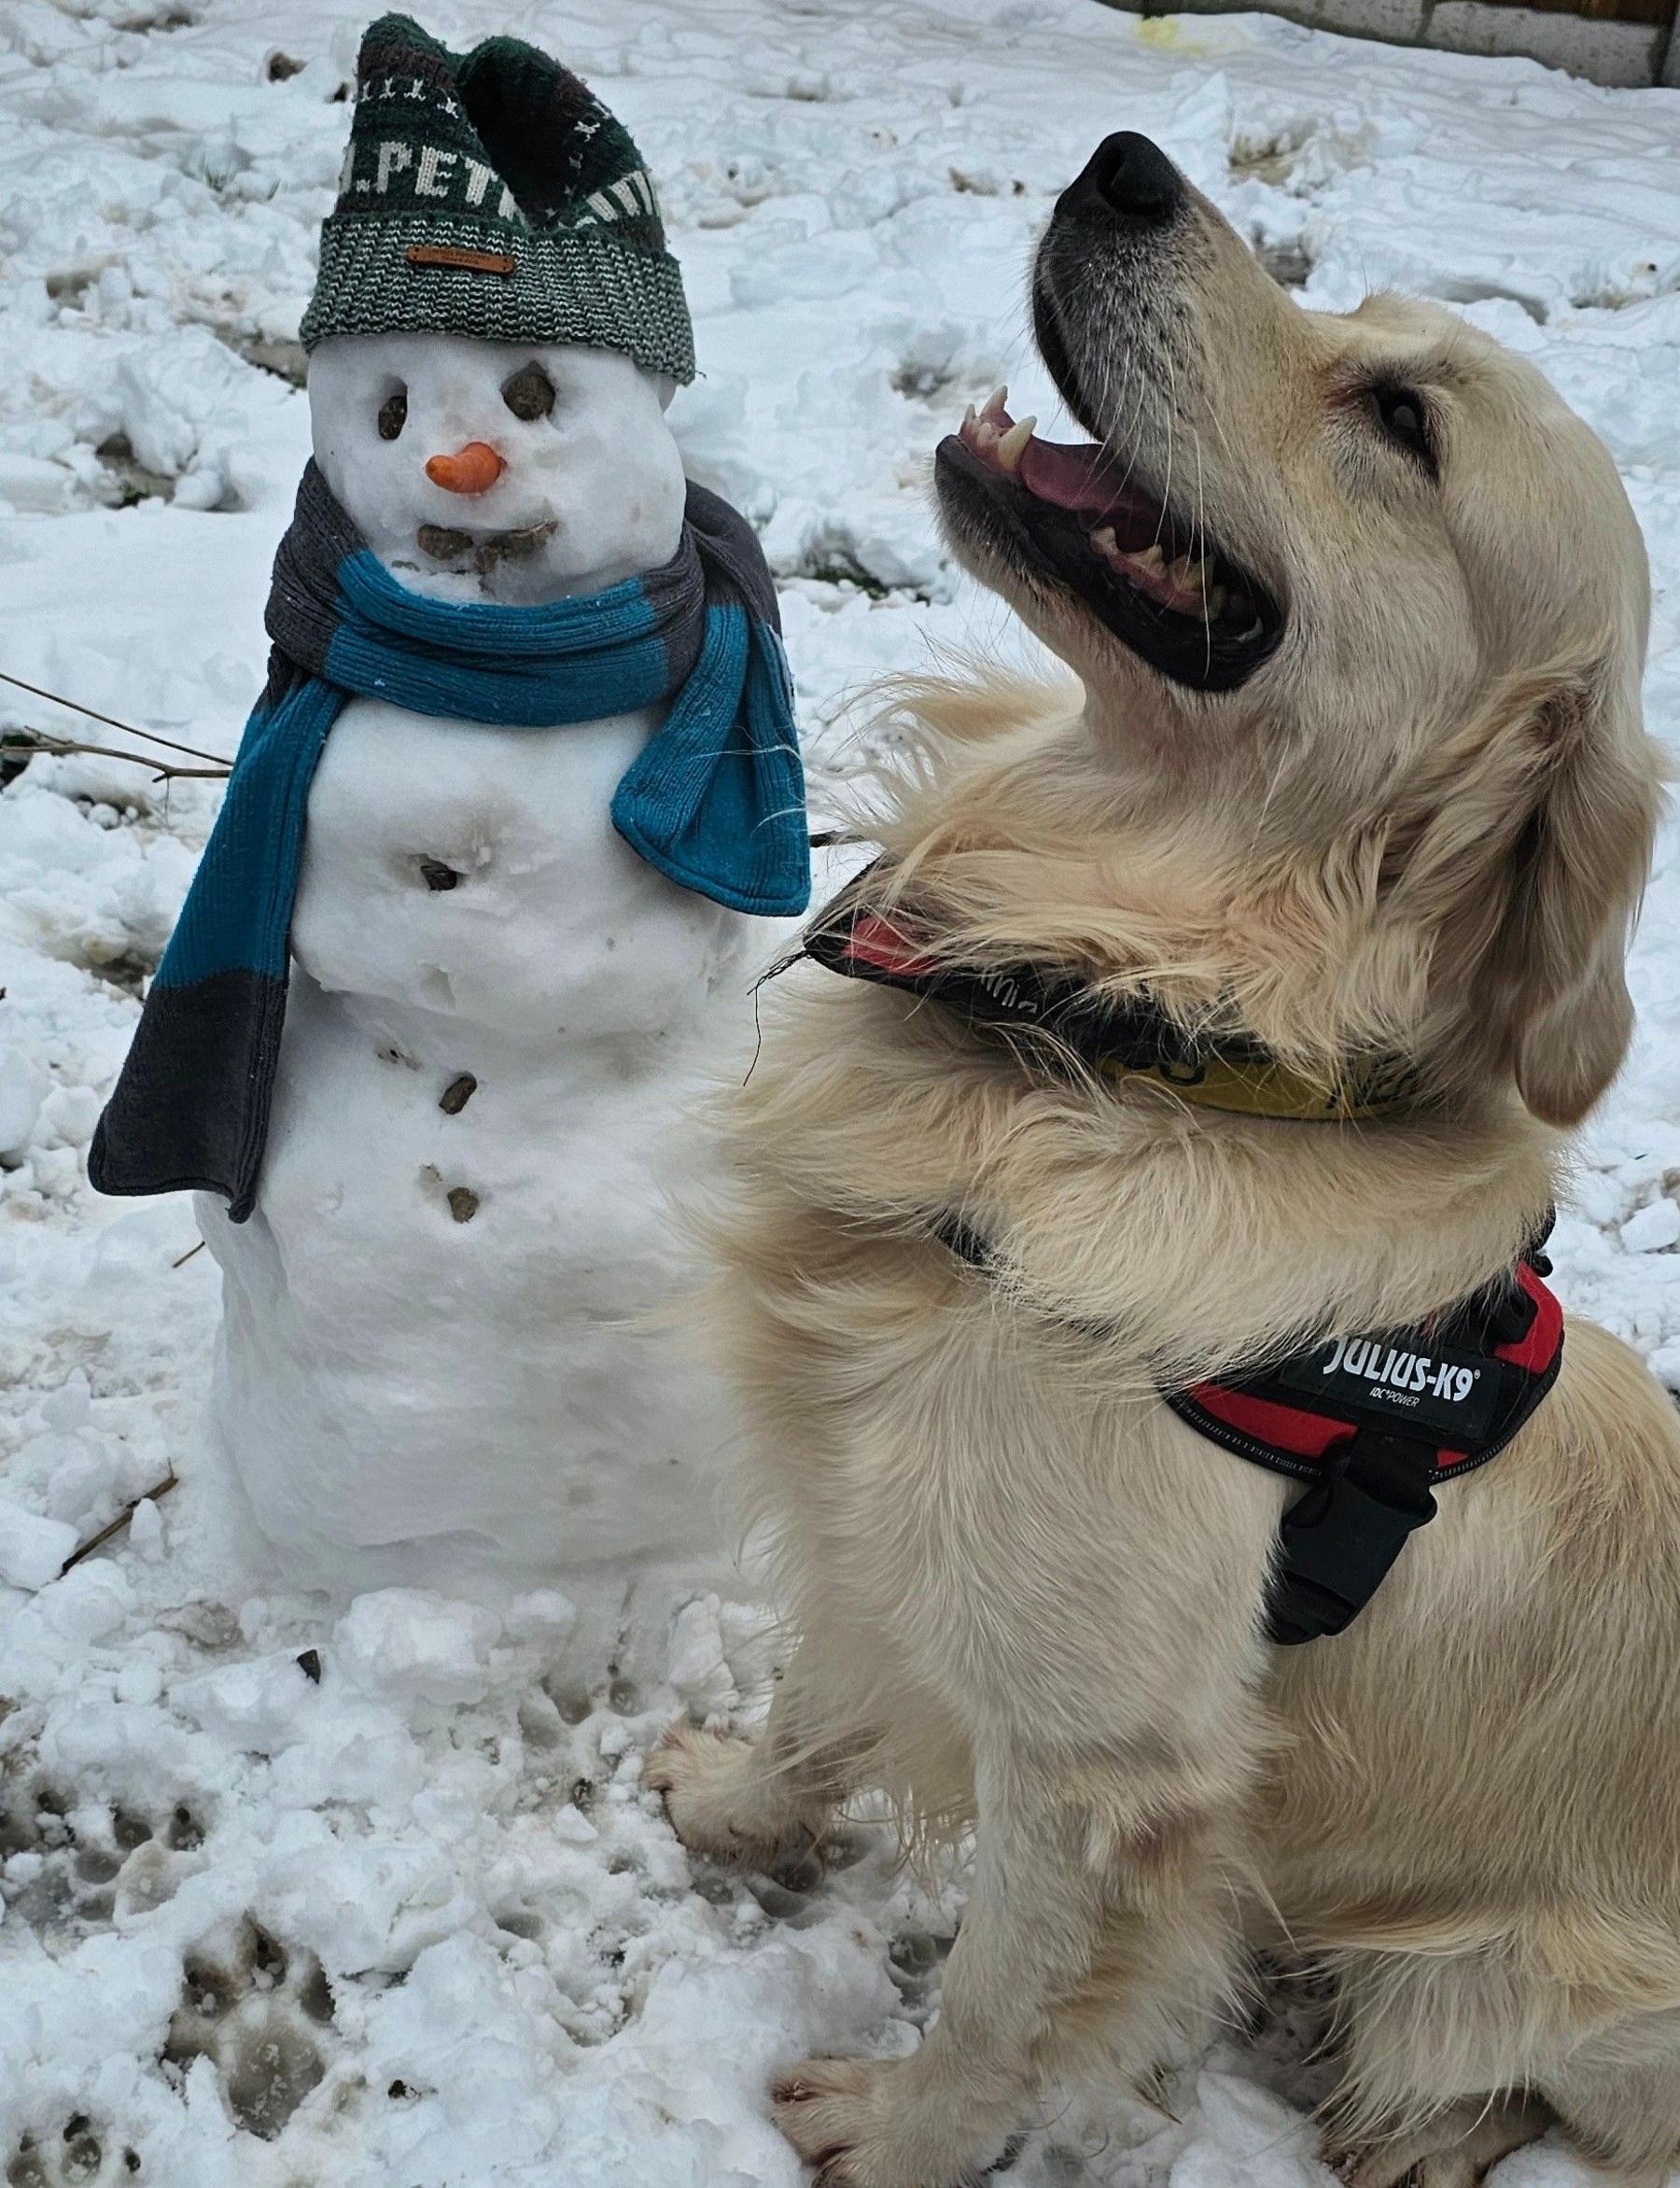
792 1891
80 2155
71 1869
260 2010
914 1961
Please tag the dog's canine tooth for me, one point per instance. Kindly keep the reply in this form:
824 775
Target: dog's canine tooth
996 404
965 432
1150 559
1105 542
1012 445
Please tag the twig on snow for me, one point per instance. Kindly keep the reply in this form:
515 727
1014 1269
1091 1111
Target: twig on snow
43 740
110 720
87 1548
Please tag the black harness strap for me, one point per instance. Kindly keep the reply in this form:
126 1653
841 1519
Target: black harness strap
1370 1447
1337 1545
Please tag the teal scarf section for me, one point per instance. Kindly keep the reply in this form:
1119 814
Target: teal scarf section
715 800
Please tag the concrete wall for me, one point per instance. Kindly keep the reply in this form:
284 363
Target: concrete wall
1595 45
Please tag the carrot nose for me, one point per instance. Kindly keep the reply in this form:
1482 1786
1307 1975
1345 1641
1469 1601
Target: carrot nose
472 469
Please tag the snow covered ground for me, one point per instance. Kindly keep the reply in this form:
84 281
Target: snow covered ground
375 1900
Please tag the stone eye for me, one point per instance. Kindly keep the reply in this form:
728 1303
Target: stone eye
530 393
393 415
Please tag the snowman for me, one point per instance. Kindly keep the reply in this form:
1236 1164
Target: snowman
478 911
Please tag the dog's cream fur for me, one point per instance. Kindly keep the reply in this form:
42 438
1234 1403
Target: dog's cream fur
1029 1596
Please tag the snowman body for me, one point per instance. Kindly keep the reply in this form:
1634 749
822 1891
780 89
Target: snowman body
441 1360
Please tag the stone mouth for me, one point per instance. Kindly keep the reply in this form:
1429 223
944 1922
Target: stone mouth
482 551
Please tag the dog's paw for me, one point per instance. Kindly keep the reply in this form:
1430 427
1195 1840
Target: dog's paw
1386 2165
836 2114
1456 2150
722 1803
862 2124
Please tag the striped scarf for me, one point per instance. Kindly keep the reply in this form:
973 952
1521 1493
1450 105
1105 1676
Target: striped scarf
715 799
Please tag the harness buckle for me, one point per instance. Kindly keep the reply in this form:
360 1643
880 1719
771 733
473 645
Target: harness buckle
1337 1543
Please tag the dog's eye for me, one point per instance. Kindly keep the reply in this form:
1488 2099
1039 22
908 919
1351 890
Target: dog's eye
530 393
1404 419
393 415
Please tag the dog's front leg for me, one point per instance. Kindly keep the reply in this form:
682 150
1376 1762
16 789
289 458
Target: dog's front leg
1096 1896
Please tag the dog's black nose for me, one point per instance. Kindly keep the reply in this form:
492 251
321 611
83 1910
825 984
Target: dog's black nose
1126 179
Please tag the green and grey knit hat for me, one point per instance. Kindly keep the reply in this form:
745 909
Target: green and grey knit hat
492 194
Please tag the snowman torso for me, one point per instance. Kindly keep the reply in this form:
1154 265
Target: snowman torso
431 1367
470 872
442 1361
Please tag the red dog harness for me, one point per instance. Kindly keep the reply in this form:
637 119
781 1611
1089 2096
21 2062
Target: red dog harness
1371 1423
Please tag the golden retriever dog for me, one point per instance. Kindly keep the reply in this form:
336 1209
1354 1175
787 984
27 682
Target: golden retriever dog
1355 770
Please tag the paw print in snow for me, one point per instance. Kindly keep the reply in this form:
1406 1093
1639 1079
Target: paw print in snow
64 1868
81 2156
791 1890
914 1961
259 2012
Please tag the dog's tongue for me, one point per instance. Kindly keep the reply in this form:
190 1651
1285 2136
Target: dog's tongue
1081 478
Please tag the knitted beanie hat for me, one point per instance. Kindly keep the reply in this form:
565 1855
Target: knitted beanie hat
490 194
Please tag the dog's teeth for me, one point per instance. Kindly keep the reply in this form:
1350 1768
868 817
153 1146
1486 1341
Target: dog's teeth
1187 575
1214 600
1012 445
966 430
1105 542
996 404
1150 560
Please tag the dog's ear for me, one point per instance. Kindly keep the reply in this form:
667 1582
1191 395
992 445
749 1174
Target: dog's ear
1575 875
1519 861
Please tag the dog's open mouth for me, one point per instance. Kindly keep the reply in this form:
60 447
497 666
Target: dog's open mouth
1159 583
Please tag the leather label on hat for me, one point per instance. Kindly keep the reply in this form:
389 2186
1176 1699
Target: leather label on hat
448 254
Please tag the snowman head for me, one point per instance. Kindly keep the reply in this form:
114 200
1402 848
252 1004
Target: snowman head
516 472
497 327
